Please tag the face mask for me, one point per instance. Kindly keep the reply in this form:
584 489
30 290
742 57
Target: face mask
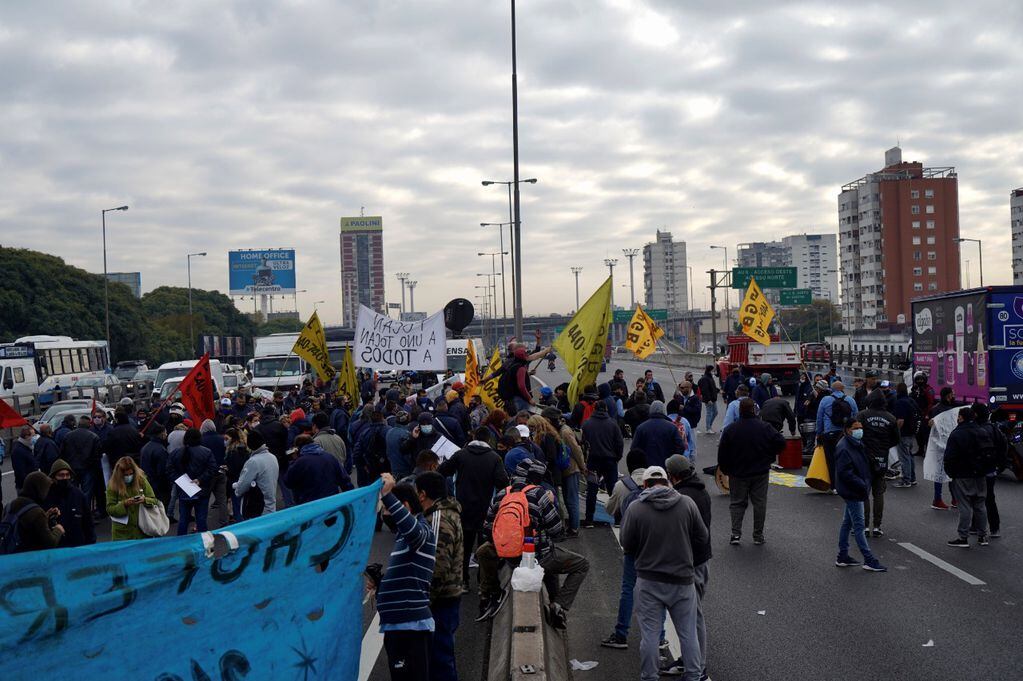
427 430
857 434
128 479
61 485
35 438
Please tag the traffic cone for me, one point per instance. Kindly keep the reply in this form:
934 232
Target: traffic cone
817 475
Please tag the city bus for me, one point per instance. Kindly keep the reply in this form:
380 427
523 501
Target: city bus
34 368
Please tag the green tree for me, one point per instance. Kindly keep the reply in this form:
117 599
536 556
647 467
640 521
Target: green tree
811 322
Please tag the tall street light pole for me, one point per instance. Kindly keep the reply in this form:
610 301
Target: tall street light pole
106 279
500 230
402 277
411 295
576 271
728 296
514 222
980 255
611 262
631 253
191 323
517 239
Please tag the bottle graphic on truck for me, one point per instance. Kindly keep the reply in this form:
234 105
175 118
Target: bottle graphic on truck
981 359
950 360
960 339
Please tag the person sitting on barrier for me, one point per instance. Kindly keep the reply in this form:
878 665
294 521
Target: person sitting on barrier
504 534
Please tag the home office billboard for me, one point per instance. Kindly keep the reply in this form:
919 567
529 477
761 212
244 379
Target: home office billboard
258 272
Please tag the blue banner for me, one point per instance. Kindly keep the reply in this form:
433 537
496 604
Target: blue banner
285 604
261 272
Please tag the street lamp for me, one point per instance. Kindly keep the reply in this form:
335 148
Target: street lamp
576 271
402 276
191 330
106 279
728 291
611 262
514 213
411 295
631 253
980 255
504 298
317 302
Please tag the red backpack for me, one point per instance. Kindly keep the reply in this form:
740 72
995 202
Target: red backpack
511 523
588 408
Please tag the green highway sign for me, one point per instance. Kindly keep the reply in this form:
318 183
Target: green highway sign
797 296
767 277
625 316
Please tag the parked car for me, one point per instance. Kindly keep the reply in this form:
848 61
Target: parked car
126 369
105 388
77 410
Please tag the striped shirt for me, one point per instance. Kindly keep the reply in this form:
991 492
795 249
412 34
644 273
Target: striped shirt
404 593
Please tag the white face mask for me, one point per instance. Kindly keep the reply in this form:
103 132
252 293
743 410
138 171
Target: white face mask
129 478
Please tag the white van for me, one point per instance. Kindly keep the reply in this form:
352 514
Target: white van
181 369
18 377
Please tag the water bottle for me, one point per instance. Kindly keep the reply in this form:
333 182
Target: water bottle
528 554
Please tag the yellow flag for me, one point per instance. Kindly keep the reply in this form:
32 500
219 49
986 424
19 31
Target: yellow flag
581 344
642 335
347 382
756 314
488 389
312 347
472 372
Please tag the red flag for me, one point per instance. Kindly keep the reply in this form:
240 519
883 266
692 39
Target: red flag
10 418
197 391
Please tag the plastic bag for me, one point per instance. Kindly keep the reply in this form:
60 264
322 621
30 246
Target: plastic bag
527 579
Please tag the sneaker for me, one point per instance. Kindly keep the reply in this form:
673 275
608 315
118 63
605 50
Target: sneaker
587 524
913 483
983 540
995 533
485 604
846 561
891 475
734 540
902 484
465 589
472 562
498 603
874 565
571 534
615 641
663 645
557 616
877 532
939 505
959 542
705 677
759 541
672 668
955 505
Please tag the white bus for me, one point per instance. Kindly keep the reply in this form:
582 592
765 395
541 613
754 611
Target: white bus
46 364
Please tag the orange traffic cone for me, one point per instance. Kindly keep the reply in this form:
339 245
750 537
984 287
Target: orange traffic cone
817 475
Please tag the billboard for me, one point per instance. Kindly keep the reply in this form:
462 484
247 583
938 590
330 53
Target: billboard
366 223
949 344
261 272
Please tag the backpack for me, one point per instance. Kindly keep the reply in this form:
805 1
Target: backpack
681 428
634 492
588 407
511 523
10 537
507 383
564 459
840 411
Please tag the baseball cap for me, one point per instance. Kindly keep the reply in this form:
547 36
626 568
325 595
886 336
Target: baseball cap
654 473
678 466
457 385
523 430
225 401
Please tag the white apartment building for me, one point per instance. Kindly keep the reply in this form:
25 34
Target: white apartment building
665 276
1016 221
815 257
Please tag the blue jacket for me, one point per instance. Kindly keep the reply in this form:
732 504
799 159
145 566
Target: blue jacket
339 420
728 387
401 466
315 474
526 450
732 413
404 594
824 422
658 438
762 393
852 470
214 442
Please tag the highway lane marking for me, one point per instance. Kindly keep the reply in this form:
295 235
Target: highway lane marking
947 567
372 643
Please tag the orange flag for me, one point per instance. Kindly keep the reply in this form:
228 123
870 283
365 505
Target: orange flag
197 391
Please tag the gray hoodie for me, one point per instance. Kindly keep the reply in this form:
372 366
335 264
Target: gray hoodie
260 470
659 531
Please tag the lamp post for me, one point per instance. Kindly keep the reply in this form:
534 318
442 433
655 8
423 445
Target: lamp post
500 231
631 253
411 295
728 292
980 255
191 322
514 222
493 269
402 276
576 271
316 303
611 262
106 279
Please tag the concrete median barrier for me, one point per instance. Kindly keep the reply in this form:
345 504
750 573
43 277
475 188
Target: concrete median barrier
523 647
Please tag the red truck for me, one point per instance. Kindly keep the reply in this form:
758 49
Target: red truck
780 359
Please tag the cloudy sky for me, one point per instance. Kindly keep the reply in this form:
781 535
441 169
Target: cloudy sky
258 124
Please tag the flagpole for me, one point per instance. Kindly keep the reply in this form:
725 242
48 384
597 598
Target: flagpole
290 354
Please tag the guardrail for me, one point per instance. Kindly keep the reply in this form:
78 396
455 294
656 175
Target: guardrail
30 406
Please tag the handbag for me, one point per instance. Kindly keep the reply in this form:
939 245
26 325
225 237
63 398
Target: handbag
153 520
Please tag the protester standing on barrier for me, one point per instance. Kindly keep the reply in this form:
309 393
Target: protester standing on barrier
127 491
853 476
745 453
659 531
880 434
832 413
403 599
970 455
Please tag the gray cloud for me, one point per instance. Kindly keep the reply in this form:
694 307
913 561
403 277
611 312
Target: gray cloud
244 124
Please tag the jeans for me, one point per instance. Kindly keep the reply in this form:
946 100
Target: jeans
971 493
570 490
906 458
710 412
606 469
201 506
681 602
408 655
852 519
518 404
563 562
626 598
991 506
236 507
442 649
701 575
218 511
286 496
470 534
877 490
742 491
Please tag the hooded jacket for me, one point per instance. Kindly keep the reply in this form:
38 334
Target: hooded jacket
479 473
34 529
970 451
46 452
852 470
444 519
748 447
602 438
658 513
261 470
659 438
154 463
75 513
23 461
315 474
124 440
694 488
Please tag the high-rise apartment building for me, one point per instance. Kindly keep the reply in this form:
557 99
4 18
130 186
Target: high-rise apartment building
362 267
815 257
665 276
1016 222
897 231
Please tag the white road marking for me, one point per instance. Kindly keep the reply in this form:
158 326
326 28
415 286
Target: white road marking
947 567
372 643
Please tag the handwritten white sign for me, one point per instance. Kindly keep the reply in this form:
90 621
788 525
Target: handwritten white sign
389 344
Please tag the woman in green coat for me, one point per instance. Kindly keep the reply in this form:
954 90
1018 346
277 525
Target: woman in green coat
128 489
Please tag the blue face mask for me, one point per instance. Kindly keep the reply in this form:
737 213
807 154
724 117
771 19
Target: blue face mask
426 429
857 434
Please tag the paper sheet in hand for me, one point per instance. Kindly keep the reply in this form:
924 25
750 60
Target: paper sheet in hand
120 519
187 486
444 448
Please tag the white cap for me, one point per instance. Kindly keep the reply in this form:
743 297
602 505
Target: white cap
225 401
523 430
654 473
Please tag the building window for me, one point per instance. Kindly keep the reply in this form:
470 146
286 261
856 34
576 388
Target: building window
918 271
914 194
916 241
930 224
918 286
928 193
916 224
930 209
930 241
933 286
917 255
931 255
932 270
915 210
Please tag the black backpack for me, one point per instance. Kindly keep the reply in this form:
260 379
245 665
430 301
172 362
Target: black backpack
840 411
10 537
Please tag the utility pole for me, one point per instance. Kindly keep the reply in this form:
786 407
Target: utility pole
411 295
631 253
576 271
517 239
611 262
713 309
402 277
